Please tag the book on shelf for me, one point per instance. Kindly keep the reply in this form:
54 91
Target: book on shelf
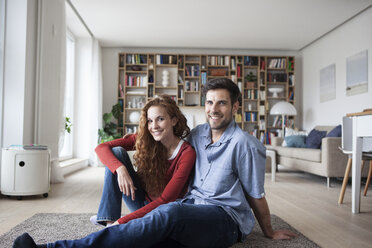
137 81
262 124
204 77
250 94
121 92
180 94
277 63
253 132
290 65
166 59
218 60
180 80
136 59
262 65
238 118
202 101
233 64
269 136
240 86
250 116
233 78
227 60
261 110
262 95
121 61
291 96
291 79
239 70
192 86
262 137
277 121
187 85
192 70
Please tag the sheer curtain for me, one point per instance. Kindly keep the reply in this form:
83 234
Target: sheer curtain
88 98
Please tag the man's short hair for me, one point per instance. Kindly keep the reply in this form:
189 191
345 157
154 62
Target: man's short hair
223 83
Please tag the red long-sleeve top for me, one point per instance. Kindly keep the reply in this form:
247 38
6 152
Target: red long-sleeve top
177 175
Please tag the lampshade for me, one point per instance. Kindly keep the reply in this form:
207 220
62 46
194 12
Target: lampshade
283 108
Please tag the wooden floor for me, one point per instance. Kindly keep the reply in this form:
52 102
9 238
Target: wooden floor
301 199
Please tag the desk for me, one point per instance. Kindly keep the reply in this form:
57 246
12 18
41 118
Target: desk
362 127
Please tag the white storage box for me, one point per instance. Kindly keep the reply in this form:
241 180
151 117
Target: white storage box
25 172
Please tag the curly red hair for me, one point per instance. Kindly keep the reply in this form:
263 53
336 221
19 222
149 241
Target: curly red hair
151 156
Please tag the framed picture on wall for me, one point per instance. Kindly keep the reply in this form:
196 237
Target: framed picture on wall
357 73
328 83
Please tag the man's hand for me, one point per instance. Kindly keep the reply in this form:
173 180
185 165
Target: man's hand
283 234
125 182
261 211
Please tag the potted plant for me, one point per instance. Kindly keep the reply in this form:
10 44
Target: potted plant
250 77
109 130
68 124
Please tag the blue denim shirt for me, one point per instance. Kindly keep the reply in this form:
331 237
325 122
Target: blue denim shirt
226 170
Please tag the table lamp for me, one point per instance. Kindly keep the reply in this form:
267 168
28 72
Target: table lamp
283 108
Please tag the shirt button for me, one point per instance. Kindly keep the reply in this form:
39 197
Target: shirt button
201 180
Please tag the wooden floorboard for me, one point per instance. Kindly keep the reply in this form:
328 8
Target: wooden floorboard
301 199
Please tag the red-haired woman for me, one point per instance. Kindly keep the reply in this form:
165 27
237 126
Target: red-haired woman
164 162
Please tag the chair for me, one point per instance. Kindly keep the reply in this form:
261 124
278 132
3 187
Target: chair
347 127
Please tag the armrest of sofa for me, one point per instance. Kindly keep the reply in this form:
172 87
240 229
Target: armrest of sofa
276 141
332 157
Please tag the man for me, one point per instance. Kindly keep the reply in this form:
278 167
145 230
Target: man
216 212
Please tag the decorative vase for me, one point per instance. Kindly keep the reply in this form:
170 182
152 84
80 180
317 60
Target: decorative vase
165 81
134 117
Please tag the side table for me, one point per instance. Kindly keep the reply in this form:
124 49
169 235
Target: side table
272 155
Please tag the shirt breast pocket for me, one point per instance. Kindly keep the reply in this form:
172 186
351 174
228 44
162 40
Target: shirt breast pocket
220 179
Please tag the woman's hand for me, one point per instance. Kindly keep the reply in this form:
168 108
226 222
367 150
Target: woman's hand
125 182
115 223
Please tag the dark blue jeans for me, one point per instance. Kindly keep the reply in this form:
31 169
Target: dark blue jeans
170 225
110 205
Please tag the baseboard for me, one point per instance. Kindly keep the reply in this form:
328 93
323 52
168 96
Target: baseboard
71 165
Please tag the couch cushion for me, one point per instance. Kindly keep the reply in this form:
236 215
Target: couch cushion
295 141
335 132
314 139
291 132
314 155
282 151
308 154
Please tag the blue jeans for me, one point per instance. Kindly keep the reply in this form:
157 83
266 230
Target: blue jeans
176 224
110 205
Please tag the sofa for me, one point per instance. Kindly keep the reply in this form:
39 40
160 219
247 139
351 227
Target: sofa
328 161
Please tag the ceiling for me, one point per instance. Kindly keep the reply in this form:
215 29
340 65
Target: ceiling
229 24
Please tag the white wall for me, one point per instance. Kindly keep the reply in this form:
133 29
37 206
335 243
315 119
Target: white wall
110 72
347 40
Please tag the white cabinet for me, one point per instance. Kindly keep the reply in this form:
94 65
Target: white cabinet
25 172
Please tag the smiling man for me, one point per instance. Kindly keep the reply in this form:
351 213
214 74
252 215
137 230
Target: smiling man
228 183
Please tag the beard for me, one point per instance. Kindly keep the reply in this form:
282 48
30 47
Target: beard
221 125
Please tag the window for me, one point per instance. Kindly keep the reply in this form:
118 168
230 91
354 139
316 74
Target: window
66 151
2 37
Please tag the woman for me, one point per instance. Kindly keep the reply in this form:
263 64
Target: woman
164 162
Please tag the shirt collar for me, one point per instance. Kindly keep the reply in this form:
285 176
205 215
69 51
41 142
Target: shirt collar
226 136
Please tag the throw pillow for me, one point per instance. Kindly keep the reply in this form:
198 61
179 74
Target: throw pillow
295 141
314 139
335 132
291 132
